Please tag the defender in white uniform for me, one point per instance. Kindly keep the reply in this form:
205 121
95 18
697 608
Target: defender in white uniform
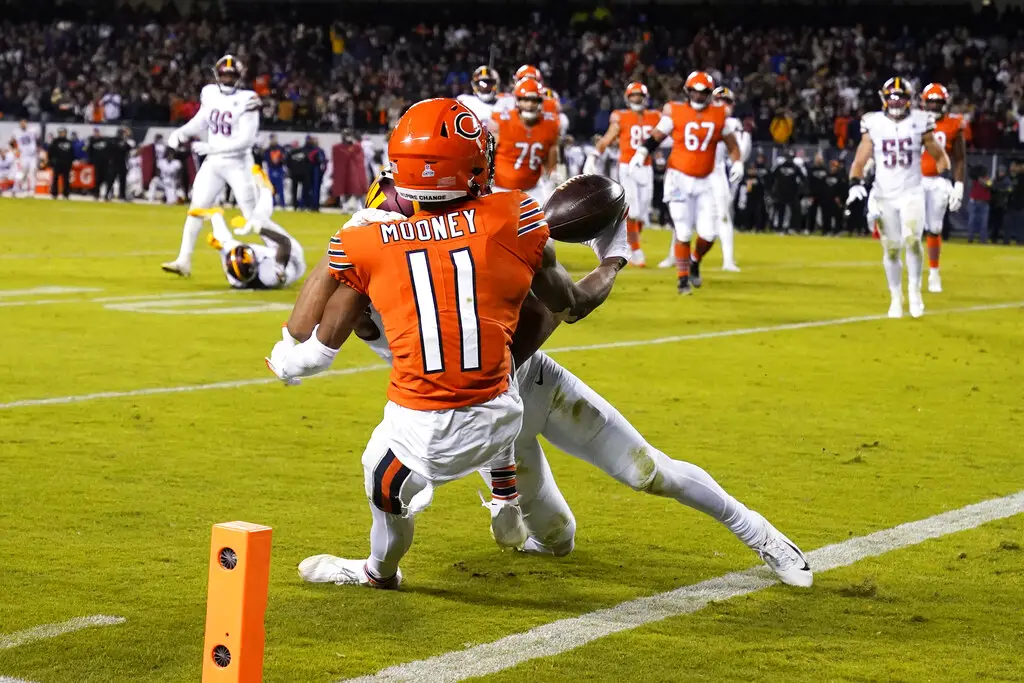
231 118
484 100
8 170
894 138
723 189
603 437
26 138
168 178
278 262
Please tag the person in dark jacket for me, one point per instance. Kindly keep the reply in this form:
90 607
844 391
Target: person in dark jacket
98 154
61 155
817 191
317 166
836 186
301 174
1001 188
274 158
120 148
787 189
1013 223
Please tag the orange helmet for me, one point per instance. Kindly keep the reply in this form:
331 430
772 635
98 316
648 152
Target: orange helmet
636 89
934 97
529 94
438 152
529 71
698 89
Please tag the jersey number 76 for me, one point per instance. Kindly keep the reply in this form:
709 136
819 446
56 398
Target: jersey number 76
427 310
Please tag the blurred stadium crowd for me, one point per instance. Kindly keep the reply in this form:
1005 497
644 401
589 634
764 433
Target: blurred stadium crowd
797 81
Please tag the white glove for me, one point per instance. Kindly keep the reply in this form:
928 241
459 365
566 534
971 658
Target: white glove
557 176
956 197
278 353
856 192
367 216
736 172
250 226
590 165
302 360
639 157
507 527
611 243
174 140
201 148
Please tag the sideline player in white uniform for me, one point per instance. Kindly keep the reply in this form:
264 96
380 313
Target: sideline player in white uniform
894 138
723 188
278 262
231 118
168 178
26 138
630 127
484 100
8 170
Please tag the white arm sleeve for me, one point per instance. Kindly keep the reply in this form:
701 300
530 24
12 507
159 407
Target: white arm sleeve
665 125
196 125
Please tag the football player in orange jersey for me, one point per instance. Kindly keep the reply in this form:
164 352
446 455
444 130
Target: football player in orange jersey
448 283
696 127
938 193
630 127
527 139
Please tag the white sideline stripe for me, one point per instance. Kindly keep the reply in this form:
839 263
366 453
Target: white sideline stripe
47 290
8 679
61 400
100 255
45 631
568 634
234 384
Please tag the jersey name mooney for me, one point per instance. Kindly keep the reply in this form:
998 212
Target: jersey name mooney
448 226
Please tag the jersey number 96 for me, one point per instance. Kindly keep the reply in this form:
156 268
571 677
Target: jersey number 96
220 123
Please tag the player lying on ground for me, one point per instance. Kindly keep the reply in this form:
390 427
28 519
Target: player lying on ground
448 287
230 117
598 434
278 262
893 138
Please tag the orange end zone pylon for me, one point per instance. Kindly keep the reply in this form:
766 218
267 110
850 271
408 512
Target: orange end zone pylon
236 601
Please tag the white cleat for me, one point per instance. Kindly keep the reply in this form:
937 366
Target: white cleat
896 307
637 259
916 304
934 282
667 262
177 268
784 558
730 268
338 570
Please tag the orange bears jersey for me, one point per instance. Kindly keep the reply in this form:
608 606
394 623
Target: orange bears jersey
695 135
946 131
522 149
634 128
448 285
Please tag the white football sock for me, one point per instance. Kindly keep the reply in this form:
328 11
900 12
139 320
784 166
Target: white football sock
915 265
693 487
725 236
672 246
893 270
390 539
189 234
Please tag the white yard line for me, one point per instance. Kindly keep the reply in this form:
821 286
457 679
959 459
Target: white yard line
100 255
233 384
49 289
568 634
45 631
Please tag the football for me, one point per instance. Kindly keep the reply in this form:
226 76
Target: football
584 206
383 195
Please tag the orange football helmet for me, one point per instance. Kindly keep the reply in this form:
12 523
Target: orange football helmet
529 94
698 87
934 98
529 71
636 96
438 152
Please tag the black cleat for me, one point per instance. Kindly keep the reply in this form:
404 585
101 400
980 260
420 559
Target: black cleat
695 278
683 285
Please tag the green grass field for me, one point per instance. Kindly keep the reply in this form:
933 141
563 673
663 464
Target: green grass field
832 431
